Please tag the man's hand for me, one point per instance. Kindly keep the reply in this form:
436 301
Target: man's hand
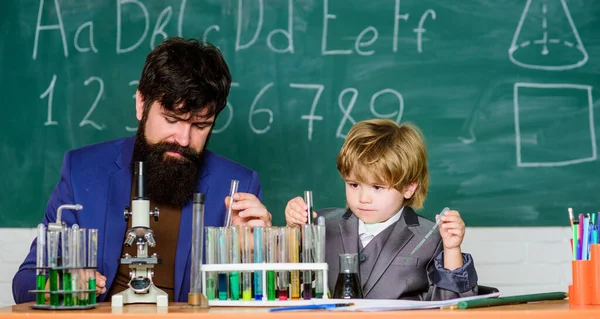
83 280
248 210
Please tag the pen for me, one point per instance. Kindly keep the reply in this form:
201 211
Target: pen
312 307
437 223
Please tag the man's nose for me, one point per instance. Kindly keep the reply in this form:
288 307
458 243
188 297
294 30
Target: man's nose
182 136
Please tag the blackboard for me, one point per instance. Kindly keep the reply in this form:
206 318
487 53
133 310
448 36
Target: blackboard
504 91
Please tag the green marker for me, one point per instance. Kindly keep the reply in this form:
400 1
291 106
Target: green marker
437 223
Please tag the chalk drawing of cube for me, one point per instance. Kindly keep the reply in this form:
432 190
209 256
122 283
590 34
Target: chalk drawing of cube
554 124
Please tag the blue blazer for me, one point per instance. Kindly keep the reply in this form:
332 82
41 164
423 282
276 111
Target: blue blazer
99 177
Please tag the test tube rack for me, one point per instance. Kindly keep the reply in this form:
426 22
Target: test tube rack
61 293
264 267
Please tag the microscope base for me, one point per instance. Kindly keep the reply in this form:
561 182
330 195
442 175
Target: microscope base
154 295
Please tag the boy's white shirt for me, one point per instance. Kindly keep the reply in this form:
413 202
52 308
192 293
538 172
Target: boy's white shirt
366 232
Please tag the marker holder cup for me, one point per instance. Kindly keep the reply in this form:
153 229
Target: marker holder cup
585 289
264 267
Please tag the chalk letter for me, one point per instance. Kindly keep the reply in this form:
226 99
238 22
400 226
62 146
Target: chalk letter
289 34
39 27
420 30
327 16
358 44
146 27
160 25
239 46
89 25
397 16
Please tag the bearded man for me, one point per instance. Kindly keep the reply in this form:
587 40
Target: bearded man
182 89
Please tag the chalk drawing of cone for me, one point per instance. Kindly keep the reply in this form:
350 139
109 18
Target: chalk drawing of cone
546 38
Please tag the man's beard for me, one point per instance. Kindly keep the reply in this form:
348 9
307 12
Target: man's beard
169 180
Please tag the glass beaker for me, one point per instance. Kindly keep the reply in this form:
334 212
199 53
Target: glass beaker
347 285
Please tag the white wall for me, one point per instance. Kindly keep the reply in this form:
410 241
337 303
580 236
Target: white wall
515 260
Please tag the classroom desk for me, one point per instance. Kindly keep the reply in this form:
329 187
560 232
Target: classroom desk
545 310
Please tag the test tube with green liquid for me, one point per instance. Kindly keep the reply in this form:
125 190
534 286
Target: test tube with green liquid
246 258
81 264
234 276
295 258
211 258
73 259
53 265
223 258
67 264
271 254
258 259
92 263
40 263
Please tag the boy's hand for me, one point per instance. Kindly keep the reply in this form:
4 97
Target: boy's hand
248 210
452 230
295 212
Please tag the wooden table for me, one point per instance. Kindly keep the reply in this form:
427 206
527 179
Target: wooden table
542 310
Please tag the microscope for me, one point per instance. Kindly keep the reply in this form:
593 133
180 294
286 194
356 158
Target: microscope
141 288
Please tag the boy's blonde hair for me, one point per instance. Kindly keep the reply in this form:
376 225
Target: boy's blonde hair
382 151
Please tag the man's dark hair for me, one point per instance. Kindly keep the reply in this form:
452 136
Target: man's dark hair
185 75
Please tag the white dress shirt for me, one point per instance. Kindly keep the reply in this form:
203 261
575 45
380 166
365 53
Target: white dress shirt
366 232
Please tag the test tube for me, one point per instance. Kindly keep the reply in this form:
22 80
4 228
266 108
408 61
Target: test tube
283 282
73 254
246 258
223 259
258 259
319 236
271 257
295 258
234 276
308 199
307 251
211 258
92 264
232 190
195 297
40 262
53 265
81 264
67 263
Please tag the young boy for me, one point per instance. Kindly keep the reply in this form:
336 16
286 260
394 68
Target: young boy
384 166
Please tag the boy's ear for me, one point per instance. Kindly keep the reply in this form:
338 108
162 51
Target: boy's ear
410 189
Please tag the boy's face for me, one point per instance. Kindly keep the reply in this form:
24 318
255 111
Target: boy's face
374 202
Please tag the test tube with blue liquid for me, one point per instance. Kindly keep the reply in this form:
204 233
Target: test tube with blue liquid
258 259
223 258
